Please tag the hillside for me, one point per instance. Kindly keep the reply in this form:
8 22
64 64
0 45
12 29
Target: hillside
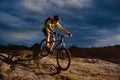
83 67
111 53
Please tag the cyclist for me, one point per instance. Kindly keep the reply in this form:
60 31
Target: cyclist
49 25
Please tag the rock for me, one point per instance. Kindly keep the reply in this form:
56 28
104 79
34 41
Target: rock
80 69
4 67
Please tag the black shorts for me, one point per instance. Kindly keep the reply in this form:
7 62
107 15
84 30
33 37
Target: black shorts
44 31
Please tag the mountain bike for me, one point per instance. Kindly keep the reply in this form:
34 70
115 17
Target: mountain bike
63 56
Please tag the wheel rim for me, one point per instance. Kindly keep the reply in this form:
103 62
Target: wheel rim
63 59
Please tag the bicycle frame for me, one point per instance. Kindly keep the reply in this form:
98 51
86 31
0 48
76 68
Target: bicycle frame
62 53
60 40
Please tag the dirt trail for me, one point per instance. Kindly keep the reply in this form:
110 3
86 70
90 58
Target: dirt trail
80 69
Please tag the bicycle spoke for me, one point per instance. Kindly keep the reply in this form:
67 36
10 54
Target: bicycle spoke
63 59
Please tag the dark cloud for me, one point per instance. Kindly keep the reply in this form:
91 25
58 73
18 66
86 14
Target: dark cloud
91 22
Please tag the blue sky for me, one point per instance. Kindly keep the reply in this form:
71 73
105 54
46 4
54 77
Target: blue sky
92 22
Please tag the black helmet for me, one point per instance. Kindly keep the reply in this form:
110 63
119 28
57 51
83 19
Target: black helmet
56 17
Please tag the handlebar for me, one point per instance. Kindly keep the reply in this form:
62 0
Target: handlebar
61 35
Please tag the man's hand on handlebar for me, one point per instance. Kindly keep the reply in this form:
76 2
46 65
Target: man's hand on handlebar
70 35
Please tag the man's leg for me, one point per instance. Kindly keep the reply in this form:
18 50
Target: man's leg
47 35
53 42
47 39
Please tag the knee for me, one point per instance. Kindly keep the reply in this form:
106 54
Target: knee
53 40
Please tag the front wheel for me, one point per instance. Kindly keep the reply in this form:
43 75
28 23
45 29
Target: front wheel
43 48
63 58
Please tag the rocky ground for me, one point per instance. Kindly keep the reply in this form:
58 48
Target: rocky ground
80 69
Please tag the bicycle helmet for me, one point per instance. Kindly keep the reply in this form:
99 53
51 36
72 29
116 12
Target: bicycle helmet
56 17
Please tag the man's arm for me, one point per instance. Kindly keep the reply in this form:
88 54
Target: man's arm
63 29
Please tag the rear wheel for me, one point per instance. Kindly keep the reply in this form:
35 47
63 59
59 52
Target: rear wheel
63 58
43 48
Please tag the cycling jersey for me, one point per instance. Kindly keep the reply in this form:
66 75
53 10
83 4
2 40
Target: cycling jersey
52 25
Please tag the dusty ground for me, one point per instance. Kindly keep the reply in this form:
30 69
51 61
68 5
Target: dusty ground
80 69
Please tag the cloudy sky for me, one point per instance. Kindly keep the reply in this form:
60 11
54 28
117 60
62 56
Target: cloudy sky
92 22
